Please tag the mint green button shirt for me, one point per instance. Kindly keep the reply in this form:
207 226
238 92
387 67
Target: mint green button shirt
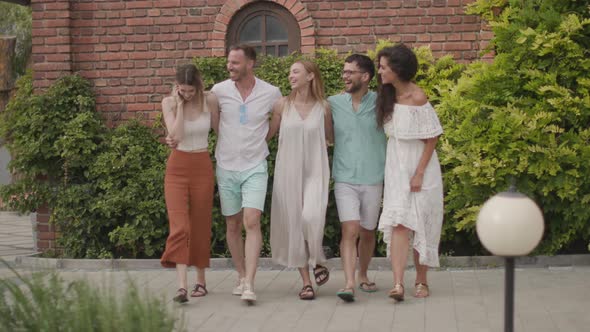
359 145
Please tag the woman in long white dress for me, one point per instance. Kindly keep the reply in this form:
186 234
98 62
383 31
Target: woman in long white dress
301 176
413 189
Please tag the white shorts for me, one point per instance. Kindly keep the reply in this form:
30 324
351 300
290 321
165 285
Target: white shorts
359 202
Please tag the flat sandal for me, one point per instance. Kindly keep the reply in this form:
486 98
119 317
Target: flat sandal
180 296
397 292
422 290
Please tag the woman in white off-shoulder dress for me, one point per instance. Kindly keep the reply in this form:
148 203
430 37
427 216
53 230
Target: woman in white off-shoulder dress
301 177
413 189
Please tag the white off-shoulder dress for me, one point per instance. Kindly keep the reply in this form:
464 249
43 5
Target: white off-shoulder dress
300 189
421 211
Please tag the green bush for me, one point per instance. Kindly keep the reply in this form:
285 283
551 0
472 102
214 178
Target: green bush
524 116
435 76
47 303
104 186
118 210
51 135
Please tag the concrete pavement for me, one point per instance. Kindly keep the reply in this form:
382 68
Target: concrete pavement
547 299
16 235
553 296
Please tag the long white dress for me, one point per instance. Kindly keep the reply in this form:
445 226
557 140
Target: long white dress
421 211
300 189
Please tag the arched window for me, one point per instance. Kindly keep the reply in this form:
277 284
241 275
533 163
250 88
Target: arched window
268 27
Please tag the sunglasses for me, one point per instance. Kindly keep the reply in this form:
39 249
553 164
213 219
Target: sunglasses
243 114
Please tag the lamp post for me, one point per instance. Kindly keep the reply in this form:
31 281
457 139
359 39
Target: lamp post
510 225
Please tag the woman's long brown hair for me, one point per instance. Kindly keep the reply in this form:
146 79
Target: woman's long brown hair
402 61
189 74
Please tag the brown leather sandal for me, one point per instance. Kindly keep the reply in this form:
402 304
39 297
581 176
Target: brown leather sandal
321 274
307 293
422 290
180 296
199 291
397 292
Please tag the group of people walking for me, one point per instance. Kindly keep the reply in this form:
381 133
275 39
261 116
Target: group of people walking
385 169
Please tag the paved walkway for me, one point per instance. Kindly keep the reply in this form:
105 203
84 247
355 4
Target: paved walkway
16 237
462 300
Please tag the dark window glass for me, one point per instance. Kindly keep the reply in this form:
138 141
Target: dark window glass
268 27
283 50
252 30
275 30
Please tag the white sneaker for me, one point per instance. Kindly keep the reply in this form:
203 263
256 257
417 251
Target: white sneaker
248 294
239 289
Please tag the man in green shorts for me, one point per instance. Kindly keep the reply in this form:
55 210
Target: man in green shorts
245 103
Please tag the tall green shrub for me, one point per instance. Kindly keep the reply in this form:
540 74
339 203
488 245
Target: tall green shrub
104 186
524 116
118 210
49 134
435 76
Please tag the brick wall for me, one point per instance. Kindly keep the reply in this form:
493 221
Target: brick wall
129 49
357 25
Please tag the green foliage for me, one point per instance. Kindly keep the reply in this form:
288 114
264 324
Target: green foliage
104 186
525 116
435 76
39 130
119 210
212 69
46 302
16 20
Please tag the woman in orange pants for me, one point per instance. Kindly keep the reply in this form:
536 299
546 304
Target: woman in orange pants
189 114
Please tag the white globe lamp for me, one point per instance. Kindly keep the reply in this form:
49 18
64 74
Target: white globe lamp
510 224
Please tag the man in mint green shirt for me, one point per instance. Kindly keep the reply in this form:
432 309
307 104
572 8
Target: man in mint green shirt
358 170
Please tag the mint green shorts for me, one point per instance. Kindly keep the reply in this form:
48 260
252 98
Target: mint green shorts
240 189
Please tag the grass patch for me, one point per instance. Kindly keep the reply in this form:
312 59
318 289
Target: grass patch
46 302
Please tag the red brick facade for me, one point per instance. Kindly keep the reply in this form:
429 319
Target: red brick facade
129 49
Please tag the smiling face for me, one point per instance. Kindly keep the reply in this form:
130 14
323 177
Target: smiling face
352 77
238 65
388 76
299 77
187 92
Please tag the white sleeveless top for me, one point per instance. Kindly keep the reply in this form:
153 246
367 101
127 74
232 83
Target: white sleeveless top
196 132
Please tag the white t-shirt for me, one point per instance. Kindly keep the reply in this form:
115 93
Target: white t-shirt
243 124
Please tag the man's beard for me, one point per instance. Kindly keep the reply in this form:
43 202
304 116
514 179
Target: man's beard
354 87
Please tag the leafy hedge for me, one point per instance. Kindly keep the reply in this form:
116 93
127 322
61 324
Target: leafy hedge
104 186
523 116
435 75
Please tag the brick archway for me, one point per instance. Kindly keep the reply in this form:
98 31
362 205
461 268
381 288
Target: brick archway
230 8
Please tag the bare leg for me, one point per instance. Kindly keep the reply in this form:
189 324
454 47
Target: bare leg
304 272
366 249
348 252
201 276
181 275
399 252
421 270
253 242
422 289
235 242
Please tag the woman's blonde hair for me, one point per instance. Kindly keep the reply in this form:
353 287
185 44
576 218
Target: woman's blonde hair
316 85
